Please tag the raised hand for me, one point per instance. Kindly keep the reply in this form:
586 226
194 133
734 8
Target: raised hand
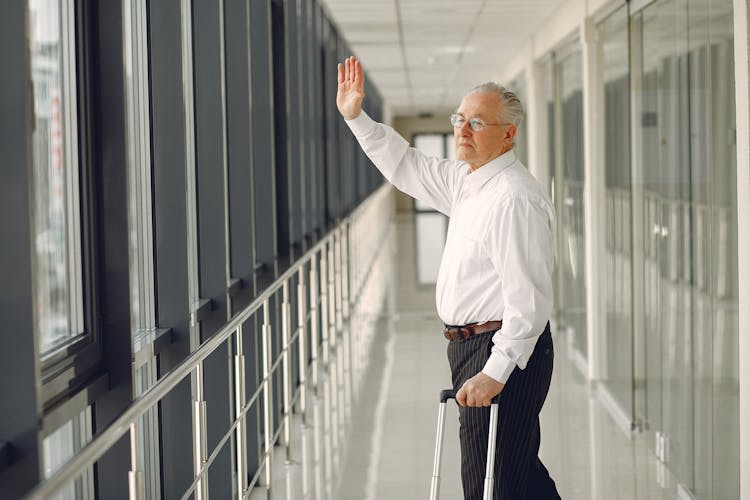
351 88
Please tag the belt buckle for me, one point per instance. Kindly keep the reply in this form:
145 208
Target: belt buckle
453 333
467 331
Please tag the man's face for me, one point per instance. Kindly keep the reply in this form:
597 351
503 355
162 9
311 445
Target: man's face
482 146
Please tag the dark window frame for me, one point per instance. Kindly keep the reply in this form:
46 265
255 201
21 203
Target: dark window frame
69 366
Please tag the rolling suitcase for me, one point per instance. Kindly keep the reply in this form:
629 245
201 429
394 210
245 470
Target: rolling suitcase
489 478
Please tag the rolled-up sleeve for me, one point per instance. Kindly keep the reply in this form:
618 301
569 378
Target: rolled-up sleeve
430 180
520 242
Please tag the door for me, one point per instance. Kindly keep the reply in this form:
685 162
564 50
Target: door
663 176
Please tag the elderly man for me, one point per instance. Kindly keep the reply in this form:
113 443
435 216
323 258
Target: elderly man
494 288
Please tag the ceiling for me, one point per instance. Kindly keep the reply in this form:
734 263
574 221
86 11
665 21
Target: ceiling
423 55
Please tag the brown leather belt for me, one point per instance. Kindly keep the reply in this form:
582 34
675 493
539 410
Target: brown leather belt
466 331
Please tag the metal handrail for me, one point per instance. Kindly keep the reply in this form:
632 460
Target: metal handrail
101 443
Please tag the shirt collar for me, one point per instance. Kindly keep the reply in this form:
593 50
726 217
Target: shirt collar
478 178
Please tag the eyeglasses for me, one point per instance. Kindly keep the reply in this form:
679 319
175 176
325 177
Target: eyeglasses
476 124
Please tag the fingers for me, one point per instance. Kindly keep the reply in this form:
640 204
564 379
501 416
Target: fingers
359 79
471 394
351 72
461 396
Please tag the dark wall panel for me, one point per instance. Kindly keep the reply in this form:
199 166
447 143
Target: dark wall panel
170 236
263 114
18 393
239 148
293 139
109 139
210 172
284 164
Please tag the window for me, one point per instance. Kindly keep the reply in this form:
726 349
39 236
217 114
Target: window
58 276
64 443
431 227
61 200
437 145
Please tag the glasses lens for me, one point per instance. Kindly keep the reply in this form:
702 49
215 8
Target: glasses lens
476 124
457 120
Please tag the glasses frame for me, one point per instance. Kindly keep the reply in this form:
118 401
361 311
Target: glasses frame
476 124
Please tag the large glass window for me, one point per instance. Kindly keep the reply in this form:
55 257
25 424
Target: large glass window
58 277
562 173
616 339
435 145
685 175
431 227
569 202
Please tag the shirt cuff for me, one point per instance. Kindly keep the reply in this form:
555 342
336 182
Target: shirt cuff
361 125
498 367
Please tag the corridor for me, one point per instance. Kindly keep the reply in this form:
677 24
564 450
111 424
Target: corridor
383 448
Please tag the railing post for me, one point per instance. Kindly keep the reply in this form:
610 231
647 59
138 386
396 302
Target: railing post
302 325
267 413
331 292
356 259
345 271
314 325
348 387
200 447
239 405
286 320
334 378
324 300
135 475
337 278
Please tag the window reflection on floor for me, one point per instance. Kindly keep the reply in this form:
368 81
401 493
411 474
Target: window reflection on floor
430 229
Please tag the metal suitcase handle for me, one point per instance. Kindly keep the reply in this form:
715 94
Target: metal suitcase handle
489 477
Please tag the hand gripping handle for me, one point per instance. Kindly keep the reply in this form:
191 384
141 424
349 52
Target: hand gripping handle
445 395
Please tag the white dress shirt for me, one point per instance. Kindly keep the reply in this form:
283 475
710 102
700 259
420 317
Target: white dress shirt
498 257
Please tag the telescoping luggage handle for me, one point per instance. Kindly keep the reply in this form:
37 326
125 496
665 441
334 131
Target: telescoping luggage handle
489 477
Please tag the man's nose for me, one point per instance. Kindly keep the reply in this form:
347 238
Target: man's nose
466 128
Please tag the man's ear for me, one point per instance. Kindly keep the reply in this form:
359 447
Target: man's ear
510 132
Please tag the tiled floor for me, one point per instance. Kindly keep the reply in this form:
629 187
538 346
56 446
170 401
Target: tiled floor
379 442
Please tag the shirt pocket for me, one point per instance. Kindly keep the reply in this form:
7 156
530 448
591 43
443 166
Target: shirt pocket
469 260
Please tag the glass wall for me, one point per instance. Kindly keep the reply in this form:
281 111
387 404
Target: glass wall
561 80
668 360
616 339
685 177
713 246
569 202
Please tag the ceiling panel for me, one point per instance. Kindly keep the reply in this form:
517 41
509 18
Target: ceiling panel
382 56
449 46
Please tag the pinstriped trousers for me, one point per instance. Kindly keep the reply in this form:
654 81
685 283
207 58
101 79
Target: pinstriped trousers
519 474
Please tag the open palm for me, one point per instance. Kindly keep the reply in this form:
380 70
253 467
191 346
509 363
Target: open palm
351 89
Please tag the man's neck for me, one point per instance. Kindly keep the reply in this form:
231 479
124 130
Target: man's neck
474 167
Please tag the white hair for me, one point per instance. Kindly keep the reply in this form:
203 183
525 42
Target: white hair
512 110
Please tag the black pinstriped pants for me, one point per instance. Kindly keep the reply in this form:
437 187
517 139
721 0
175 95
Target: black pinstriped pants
519 474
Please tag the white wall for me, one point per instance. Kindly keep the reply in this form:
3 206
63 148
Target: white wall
742 95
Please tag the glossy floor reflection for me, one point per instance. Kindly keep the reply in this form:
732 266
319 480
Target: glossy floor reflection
371 427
